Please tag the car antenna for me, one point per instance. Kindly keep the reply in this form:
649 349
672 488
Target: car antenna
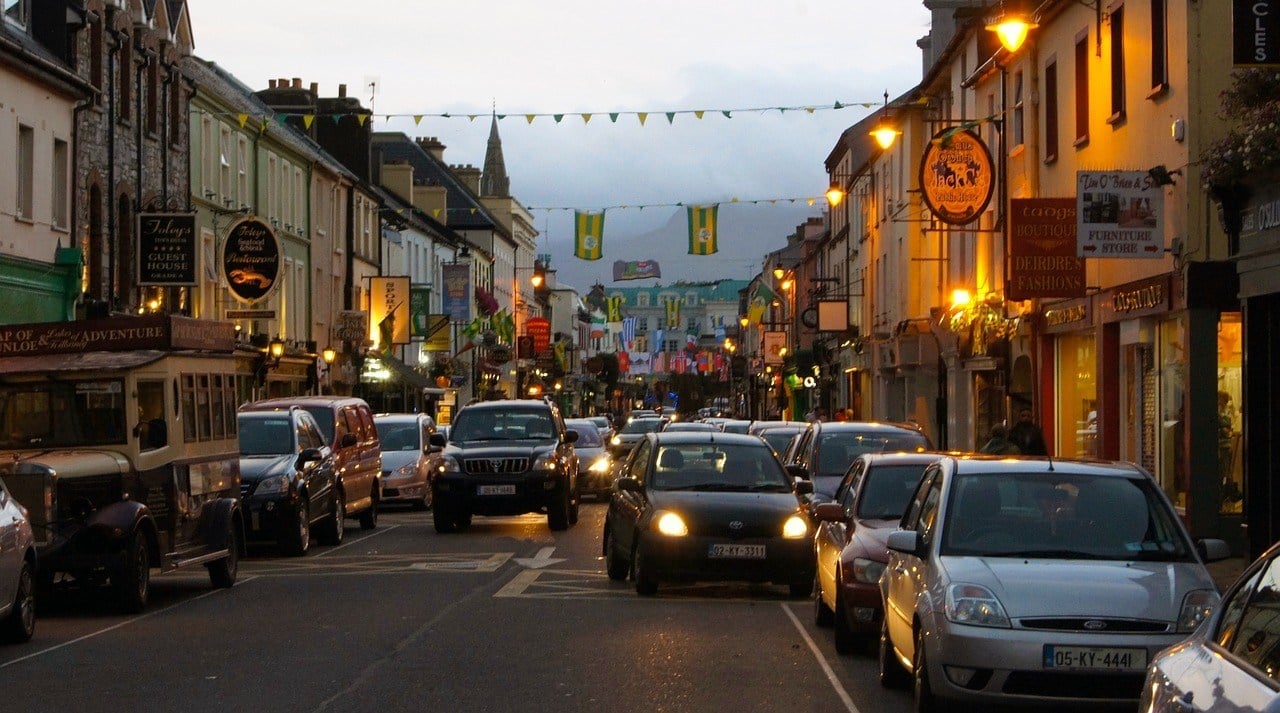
1050 459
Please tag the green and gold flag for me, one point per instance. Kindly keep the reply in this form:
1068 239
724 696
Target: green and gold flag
588 235
702 229
672 308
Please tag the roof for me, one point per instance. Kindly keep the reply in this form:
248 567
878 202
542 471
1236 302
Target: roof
672 438
304 401
466 212
507 403
865 427
972 464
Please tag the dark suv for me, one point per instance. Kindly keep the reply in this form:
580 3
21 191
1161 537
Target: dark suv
506 457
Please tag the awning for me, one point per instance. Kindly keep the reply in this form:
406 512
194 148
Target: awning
384 368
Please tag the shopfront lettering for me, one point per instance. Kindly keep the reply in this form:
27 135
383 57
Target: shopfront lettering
1066 315
1149 297
1268 215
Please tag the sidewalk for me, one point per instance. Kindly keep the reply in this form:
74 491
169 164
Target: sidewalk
1225 572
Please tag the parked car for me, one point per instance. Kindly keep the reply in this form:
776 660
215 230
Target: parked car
825 450
17 571
347 425
595 468
631 433
287 482
604 425
1232 662
506 457
1034 581
407 457
707 506
849 543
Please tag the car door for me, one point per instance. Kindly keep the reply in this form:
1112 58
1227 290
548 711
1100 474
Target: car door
357 479
10 556
318 475
370 449
627 506
904 574
833 536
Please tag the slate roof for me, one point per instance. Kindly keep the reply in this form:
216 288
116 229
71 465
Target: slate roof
465 210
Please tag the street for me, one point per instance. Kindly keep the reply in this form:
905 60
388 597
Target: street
507 616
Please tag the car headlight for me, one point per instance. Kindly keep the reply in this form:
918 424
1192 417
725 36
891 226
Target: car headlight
670 524
449 464
795 527
1196 607
867 571
601 465
975 605
546 461
405 471
274 485
615 441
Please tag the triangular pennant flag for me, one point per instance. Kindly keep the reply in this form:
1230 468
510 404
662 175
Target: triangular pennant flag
613 116
586 118
336 118
282 119
735 200
500 117
472 117
244 118
362 118
307 119
671 117
727 115
265 123
529 117
557 117
437 212
699 113
702 229
838 106
642 116
417 119
588 235
474 211
809 109
810 201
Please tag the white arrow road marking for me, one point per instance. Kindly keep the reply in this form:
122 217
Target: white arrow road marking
542 559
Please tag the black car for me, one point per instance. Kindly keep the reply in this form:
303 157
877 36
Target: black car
825 450
506 457
708 506
287 480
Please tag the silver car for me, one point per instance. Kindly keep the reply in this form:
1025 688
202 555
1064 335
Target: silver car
1037 581
407 457
1232 662
17 571
595 476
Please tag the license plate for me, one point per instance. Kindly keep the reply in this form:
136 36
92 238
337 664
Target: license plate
1094 658
495 490
754 552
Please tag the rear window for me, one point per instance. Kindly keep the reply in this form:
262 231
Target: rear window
837 450
324 419
588 435
265 436
643 425
888 490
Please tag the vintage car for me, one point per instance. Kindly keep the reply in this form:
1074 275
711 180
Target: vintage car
119 438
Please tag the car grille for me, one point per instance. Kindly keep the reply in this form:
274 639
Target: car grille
727 529
485 466
1091 625
79 496
1074 685
246 489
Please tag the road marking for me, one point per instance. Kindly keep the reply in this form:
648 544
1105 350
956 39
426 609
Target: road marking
122 624
540 560
381 564
822 661
358 540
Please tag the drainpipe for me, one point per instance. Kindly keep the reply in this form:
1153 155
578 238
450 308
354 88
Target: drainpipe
110 193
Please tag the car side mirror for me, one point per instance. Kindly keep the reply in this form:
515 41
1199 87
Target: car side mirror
829 512
438 440
798 471
309 456
629 484
570 436
348 440
905 541
804 487
1213 550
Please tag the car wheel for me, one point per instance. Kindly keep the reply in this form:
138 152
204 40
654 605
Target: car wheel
892 675
642 574
295 540
20 625
369 518
462 521
442 517
616 565
558 512
132 581
925 701
845 640
222 574
334 527
574 503
822 614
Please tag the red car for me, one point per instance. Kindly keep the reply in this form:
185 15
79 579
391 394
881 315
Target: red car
850 542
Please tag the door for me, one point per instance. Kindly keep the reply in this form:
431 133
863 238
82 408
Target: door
905 573
10 556
628 506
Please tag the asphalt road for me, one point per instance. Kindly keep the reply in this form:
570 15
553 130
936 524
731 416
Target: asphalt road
508 616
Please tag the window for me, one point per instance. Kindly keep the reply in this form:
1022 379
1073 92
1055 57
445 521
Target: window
153 95
1051 111
242 171
208 161
61 170
1254 641
224 163
150 412
26 171
175 110
1082 89
124 78
1117 66
1159 46
1018 121
642 323
642 299
16 11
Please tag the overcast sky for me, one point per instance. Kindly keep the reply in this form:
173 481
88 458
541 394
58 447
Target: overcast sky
599 56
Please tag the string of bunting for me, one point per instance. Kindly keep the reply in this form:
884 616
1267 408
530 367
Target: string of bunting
810 201
265 120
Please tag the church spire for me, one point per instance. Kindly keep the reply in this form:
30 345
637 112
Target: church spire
494 181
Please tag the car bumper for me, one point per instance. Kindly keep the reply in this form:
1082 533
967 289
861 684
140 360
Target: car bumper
863 608
688 559
1009 666
594 483
268 517
394 491
531 492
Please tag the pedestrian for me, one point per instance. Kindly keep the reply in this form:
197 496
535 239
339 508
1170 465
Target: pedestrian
1027 436
999 443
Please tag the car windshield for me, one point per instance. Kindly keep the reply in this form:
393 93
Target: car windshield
642 425
402 436
491 424
778 439
837 449
59 414
715 466
600 421
265 435
1053 516
888 490
588 435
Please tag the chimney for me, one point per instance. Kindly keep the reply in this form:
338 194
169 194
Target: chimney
397 177
297 82
432 146
271 84
315 89
342 91
469 176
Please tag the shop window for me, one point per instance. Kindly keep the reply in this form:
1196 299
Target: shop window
1076 433
1173 471
1230 424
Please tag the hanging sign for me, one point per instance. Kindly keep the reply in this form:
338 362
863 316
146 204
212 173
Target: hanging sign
251 260
167 249
957 176
456 297
1042 250
775 343
1119 214
388 311
540 329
